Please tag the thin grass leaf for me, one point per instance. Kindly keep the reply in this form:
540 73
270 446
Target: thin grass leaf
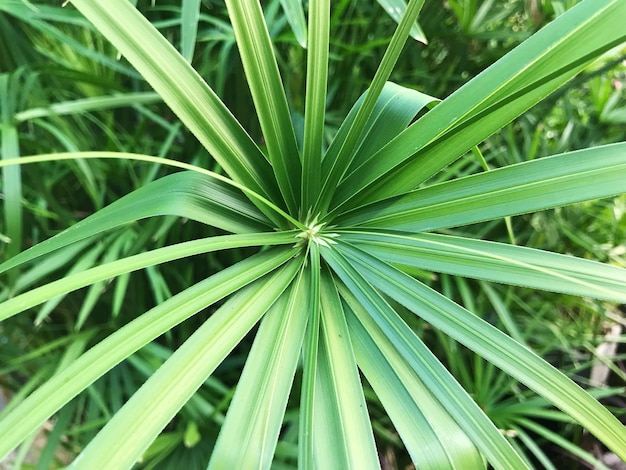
130 432
426 428
343 435
89 104
306 453
485 104
495 346
28 416
255 415
81 278
189 17
516 189
349 147
185 194
295 16
404 346
496 262
315 101
396 9
184 91
259 62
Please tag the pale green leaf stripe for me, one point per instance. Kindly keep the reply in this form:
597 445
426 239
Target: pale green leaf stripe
315 101
257 55
184 91
403 345
89 104
113 269
396 9
492 99
306 457
349 147
255 415
295 16
495 346
343 436
496 262
189 15
185 194
430 434
516 189
29 415
133 428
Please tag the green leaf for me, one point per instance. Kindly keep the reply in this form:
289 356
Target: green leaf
306 453
404 349
184 91
495 346
497 262
430 434
133 428
346 152
257 55
255 415
515 189
184 194
495 97
342 433
315 101
189 16
396 9
29 415
295 16
76 280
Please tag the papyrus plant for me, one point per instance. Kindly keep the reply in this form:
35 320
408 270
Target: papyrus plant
340 228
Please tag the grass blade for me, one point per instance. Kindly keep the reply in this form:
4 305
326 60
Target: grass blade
184 91
28 416
516 189
259 62
295 16
495 346
315 101
255 415
496 262
133 428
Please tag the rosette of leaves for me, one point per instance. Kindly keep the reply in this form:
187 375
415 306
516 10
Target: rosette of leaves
340 229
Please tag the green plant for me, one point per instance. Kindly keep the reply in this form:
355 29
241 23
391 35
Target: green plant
340 229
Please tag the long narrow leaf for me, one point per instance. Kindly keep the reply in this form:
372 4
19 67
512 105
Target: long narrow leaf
183 90
75 281
502 92
525 187
315 101
255 415
28 416
343 433
129 433
295 16
348 149
185 194
259 62
495 346
430 434
403 345
496 262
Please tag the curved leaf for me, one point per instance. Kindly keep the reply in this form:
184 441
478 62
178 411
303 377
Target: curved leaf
185 194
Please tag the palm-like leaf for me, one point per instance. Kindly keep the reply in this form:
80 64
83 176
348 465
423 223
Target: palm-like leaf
331 303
